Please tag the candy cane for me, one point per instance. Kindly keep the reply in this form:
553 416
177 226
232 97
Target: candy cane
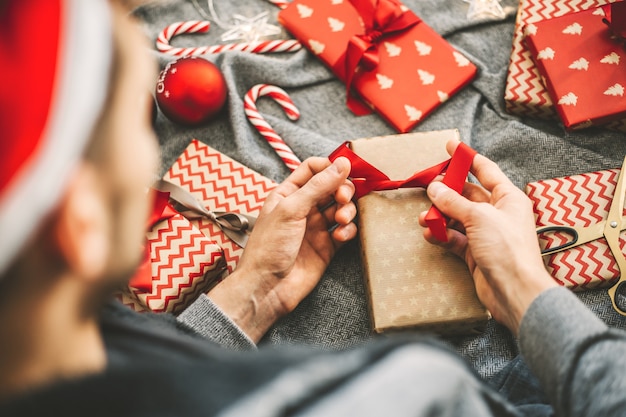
202 26
282 98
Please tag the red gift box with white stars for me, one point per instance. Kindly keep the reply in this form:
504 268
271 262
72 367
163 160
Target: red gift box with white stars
583 67
417 69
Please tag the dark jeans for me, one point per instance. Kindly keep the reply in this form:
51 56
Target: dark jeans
521 388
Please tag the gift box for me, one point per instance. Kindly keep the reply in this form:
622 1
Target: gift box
394 61
221 184
577 200
411 283
181 263
525 93
579 60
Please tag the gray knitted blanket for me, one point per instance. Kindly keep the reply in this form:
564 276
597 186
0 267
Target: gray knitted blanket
335 314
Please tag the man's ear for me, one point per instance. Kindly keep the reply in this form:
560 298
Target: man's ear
82 229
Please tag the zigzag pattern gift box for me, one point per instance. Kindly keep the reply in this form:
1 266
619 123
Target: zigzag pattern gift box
396 63
181 263
221 184
577 200
525 93
583 67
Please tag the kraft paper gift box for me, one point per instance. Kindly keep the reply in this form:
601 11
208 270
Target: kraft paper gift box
411 283
417 70
577 200
221 184
583 67
525 93
181 264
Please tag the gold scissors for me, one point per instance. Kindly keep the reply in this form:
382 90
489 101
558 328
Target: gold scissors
610 229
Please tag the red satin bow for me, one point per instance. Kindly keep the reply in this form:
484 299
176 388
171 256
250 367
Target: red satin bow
161 210
367 178
615 18
381 18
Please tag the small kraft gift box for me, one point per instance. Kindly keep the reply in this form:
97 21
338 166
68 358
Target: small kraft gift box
583 66
411 283
580 200
396 63
525 93
180 263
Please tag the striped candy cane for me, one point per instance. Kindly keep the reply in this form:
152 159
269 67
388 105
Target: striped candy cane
281 97
202 26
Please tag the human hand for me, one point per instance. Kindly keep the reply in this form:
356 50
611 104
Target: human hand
493 230
290 246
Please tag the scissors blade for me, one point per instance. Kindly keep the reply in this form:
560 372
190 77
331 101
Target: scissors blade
612 231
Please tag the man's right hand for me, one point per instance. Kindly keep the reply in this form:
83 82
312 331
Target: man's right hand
493 230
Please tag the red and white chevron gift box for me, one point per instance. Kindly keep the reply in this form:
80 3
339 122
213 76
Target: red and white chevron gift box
525 93
183 263
416 70
582 65
577 200
222 184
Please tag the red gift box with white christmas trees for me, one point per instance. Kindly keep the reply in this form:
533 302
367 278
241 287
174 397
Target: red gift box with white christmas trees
401 67
582 64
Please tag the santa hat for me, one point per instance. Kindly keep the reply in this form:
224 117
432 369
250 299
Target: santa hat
55 58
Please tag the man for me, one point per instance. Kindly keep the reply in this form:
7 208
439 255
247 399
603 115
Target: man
77 156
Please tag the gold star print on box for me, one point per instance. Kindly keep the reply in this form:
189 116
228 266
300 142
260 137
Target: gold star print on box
410 282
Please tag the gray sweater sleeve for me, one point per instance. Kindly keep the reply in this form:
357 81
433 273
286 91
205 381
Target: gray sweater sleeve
206 319
578 359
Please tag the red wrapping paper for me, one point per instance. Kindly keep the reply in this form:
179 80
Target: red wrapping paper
182 263
580 62
404 76
222 184
577 200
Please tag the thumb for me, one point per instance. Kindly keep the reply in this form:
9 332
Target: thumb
448 201
322 184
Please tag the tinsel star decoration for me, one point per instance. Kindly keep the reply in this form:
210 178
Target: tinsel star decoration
484 9
250 29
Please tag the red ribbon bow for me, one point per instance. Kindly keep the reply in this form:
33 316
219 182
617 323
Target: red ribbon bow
381 19
161 210
367 178
615 18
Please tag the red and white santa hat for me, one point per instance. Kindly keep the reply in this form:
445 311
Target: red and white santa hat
55 59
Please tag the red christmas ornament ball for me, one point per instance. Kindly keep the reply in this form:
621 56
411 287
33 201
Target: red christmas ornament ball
190 91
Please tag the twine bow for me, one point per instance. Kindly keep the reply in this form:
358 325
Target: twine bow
367 178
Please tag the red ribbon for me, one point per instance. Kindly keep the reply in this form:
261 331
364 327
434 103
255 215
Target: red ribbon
615 18
161 210
381 18
367 178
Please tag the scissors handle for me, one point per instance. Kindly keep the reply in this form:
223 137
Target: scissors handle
566 229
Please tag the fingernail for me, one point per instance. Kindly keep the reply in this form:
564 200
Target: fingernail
435 188
341 164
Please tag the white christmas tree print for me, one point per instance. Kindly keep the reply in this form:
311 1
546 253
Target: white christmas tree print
336 25
569 99
304 11
615 90
612 58
443 96
580 64
530 29
413 113
316 46
423 48
384 82
598 12
392 49
460 59
547 53
573 29
426 77
337 1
